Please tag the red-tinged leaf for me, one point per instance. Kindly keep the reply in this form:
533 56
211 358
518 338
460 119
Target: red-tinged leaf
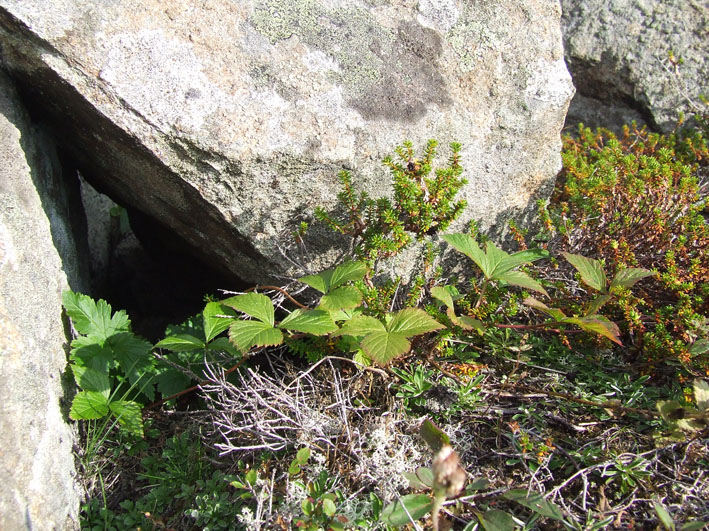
598 325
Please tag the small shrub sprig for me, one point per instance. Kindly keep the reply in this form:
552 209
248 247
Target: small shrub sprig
636 201
422 204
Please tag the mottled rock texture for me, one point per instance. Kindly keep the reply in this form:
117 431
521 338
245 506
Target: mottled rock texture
229 121
37 254
617 52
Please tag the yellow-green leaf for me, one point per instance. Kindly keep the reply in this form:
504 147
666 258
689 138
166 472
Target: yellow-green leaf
247 334
254 304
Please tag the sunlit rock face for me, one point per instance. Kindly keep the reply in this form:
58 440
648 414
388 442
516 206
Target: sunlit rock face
643 60
228 122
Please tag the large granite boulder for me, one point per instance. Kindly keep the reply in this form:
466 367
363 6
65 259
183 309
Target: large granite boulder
618 52
228 122
37 255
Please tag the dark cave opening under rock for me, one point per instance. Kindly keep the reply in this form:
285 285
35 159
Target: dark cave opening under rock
139 266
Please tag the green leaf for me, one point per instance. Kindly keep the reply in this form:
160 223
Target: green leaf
329 507
88 352
591 271
332 278
670 410
383 346
597 324
442 294
627 278
597 303
181 343
496 520
469 323
342 298
523 280
554 313
478 484
701 394
221 344
664 516
347 272
434 436
93 318
413 322
535 502
407 509
92 380
695 525
254 304
421 479
303 455
494 262
214 325
172 381
247 334
132 354
467 245
700 346
129 416
506 262
315 322
361 325
88 405
384 343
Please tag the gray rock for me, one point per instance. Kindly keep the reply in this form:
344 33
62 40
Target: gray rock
37 254
618 54
229 121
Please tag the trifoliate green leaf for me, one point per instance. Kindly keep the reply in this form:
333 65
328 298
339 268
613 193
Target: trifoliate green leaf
256 305
315 322
89 351
442 294
494 262
466 244
342 298
172 381
347 272
222 344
